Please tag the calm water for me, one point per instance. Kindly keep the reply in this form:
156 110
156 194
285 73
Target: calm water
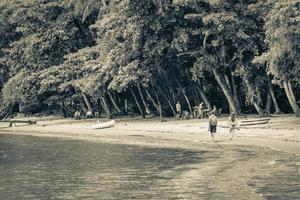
47 168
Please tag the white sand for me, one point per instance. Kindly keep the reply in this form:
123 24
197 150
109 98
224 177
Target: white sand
282 133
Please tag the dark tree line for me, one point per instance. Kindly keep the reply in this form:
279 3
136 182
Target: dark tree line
132 56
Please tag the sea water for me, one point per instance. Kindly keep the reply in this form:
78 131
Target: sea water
55 168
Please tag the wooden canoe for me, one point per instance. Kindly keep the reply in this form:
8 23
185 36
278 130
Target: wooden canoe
254 122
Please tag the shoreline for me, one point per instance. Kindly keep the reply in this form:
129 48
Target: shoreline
281 134
263 161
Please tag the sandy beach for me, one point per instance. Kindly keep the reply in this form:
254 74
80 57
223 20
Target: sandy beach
261 162
281 133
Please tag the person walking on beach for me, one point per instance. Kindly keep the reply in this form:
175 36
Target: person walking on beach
232 124
178 109
213 121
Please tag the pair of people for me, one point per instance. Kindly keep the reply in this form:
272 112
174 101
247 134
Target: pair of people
232 124
77 114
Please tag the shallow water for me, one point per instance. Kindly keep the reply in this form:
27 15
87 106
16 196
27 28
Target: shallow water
48 168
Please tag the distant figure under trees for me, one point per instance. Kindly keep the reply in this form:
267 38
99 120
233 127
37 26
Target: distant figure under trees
77 114
89 114
178 109
200 111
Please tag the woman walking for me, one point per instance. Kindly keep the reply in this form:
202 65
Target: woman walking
232 124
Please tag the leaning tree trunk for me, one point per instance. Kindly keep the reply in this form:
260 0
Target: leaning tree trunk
105 106
168 100
253 101
87 101
269 103
277 109
83 108
114 103
137 103
148 110
229 86
126 105
194 97
185 95
292 92
289 94
159 106
221 81
152 99
235 93
204 97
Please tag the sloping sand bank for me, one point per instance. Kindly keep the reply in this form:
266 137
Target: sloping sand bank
282 133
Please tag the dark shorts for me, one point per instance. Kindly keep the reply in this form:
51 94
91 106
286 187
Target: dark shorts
213 128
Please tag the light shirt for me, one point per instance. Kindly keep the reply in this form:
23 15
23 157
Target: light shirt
178 107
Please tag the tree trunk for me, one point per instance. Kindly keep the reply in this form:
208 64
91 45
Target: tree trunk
197 96
228 82
292 92
253 101
83 108
137 103
226 90
187 100
160 111
126 105
235 93
204 97
148 111
152 100
194 97
114 103
258 108
87 101
168 100
277 109
291 99
105 106
185 96
158 103
269 103
230 88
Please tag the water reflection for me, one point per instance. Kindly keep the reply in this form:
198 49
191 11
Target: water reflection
47 168
40 168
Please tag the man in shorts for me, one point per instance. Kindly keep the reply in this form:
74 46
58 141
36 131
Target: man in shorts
213 121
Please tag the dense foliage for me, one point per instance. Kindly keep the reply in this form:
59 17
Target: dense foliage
132 56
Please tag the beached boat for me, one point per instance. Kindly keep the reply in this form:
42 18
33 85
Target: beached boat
108 124
251 122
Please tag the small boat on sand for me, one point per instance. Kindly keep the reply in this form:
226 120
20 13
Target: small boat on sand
108 124
251 122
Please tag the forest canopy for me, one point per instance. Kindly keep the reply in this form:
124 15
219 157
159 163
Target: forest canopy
123 57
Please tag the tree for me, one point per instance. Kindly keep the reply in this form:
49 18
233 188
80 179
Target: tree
282 56
46 32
